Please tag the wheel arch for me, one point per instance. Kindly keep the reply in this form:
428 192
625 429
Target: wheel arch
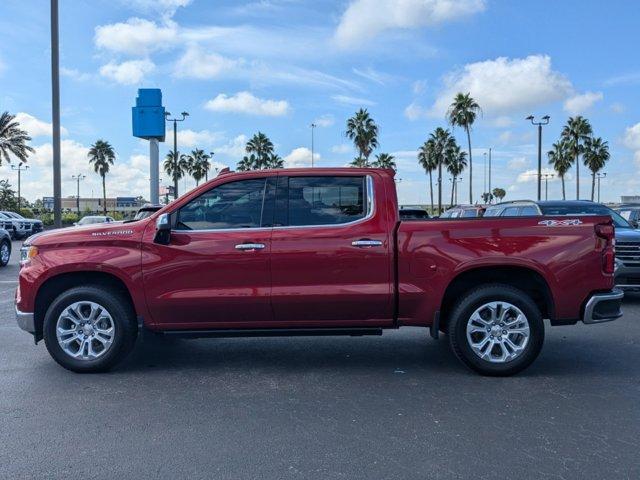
523 278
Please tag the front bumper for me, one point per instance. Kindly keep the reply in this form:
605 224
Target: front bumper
26 321
627 277
603 307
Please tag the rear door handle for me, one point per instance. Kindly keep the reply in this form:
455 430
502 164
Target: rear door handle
250 246
364 243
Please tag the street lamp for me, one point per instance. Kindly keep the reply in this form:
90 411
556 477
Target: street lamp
78 178
55 115
545 121
599 176
20 169
175 147
546 177
455 188
313 125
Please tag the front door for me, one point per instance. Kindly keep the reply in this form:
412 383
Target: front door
331 254
215 272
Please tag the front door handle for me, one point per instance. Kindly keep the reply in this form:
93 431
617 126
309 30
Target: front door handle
365 243
250 246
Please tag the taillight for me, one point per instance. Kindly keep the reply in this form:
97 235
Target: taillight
606 231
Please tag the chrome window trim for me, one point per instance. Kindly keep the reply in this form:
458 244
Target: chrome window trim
371 206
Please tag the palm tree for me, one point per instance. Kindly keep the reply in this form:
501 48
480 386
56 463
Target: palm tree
463 112
596 155
206 165
560 158
456 162
196 164
13 139
101 155
499 193
486 197
260 154
181 166
247 163
274 161
443 142
427 160
576 132
363 131
385 160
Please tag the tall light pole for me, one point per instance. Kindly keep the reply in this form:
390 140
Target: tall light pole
175 147
55 116
490 192
545 121
78 178
484 185
454 185
546 177
313 126
599 176
21 169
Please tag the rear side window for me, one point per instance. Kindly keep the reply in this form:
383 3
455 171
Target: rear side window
529 210
469 213
493 212
231 205
322 200
510 212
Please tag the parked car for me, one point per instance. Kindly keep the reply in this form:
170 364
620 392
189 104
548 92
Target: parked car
627 238
413 213
17 228
5 247
464 211
314 252
34 225
92 219
631 213
145 211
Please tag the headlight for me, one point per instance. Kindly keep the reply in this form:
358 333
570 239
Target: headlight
27 253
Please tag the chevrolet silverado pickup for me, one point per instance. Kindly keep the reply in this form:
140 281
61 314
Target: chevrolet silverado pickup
314 252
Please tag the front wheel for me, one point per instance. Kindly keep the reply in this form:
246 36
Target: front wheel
496 330
89 329
5 252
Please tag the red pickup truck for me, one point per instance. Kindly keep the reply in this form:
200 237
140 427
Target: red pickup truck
314 252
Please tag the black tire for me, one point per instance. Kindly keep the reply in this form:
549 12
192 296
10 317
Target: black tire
5 244
120 310
469 303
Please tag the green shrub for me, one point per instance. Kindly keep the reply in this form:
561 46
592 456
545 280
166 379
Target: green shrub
26 212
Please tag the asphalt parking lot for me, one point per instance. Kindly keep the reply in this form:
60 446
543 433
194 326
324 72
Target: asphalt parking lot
398 406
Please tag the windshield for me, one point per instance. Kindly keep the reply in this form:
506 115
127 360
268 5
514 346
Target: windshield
594 209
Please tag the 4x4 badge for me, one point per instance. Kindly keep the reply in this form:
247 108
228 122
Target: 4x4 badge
560 223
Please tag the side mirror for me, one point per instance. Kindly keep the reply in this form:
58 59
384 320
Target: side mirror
634 223
163 229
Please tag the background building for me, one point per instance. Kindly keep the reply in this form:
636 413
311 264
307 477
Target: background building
123 205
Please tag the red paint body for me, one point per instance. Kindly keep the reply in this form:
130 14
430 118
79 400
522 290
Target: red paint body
313 276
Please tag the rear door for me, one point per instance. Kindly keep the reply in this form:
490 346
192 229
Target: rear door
331 253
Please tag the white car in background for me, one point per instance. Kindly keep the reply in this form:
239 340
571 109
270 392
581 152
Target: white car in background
17 228
93 219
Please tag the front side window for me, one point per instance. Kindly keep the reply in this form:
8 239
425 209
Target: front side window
322 200
529 210
231 205
510 212
469 213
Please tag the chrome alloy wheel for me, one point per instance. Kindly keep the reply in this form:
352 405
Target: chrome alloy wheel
5 252
85 330
498 332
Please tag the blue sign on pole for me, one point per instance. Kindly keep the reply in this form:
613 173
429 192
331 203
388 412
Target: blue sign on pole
148 115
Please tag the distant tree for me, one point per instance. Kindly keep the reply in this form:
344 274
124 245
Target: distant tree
456 162
260 154
101 156
384 160
596 155
486 197
363 132
175 169
274 161
443 142
8 198
499 193
13 139
463 112
575 133
196 165
428 161
560 159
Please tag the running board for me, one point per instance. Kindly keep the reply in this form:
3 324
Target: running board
273 332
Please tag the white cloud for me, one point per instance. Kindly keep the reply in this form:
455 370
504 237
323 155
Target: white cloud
163 7
631 140
139 161
365 19
3 66
348 100
127 73
136 36
414 111
369 73
188 138
419 87
581 102
343 148
324 121
235 148
196 63
36 127
517 163
76 74
505 85
300 157
245 102
532 175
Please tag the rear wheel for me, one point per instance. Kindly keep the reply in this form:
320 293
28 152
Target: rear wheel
496 330
5 252
89 329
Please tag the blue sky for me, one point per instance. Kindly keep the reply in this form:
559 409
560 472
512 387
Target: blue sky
276 66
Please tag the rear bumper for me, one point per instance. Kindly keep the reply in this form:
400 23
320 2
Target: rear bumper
26 321
603 307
